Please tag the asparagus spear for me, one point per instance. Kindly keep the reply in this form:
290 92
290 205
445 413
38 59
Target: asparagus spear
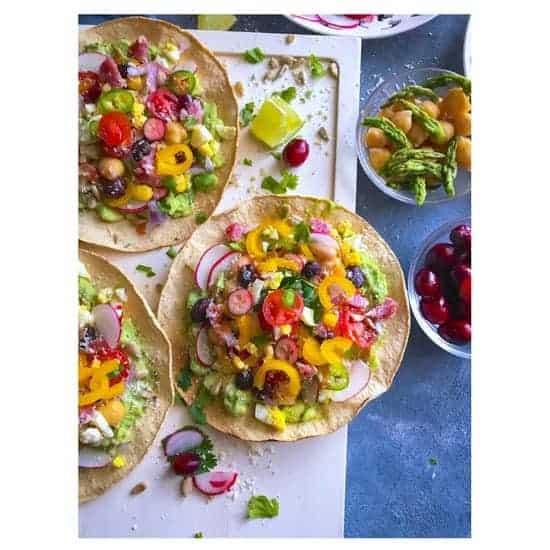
390 129
450 168
411 91
430 124
409 154
414 167
418 186
453 78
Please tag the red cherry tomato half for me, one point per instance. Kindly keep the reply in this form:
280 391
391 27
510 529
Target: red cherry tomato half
114 129
358 332
276 313
89 86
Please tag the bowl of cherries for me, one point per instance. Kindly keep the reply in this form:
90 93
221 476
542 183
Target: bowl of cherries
439 284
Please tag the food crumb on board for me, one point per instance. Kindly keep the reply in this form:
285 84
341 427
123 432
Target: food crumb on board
239 88
333 69
290 38
139 488
134 527
323 134
186 486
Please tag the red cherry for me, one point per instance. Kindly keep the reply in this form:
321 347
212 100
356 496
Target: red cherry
461 237
457 331
461 310
427 284
463 258
440 257
465 290
435 310
459 273
296 152
186 464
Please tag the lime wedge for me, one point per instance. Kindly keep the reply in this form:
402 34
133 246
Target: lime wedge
216 22
276 122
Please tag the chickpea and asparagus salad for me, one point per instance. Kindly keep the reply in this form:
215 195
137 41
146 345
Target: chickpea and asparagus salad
420 138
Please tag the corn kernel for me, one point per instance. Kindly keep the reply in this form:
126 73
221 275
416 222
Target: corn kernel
182 182
330 318
238 363
345 229
135 83
285 329
141 192
278 419
118 461
206 150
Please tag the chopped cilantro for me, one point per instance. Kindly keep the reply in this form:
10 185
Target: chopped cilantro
184 379
308 94
196 410
262 507
433 461
201 217
205 451
288 297
255 55
148 270
235 245
172 252
316 67
288 94
247 114
247 162
288 181
198 535
261 340
302 232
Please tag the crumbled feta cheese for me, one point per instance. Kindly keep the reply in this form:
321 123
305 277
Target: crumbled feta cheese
99 420
90 436
121 294
84 317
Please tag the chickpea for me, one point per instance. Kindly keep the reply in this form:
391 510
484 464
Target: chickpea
110 168
403 120
464 153
113 411
374 137
417 135
378 157
449 130
175 133
323 252
454 104
463 125
431 108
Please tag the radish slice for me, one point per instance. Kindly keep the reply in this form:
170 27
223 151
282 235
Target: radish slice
204 349
215 483
321 243
90 61
154 129
338 22
223 264
239 301
207 261
133 207
89 457
312 18
359 376
182 441
107 323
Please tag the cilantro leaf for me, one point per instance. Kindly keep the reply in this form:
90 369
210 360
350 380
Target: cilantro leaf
288 181
262 507
433 461
205 452
247 162
201 217
196 410
302 232
148 270
184 379
198 535
247 114
288 94
236 245
261 340
316 67
255 55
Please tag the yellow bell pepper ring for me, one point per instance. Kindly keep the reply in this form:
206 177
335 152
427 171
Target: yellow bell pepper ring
254 238
291 388
311 352
173 160
248 326
333 349
275 264
332 285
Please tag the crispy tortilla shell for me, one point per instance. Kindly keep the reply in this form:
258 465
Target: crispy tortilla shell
214 79
251 213
95 481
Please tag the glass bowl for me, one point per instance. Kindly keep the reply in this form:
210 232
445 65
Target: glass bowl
372 107
439 235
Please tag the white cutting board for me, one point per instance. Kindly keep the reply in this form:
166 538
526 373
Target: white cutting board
307 476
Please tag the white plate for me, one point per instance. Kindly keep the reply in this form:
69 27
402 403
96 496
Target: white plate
308 476
375 26
467 55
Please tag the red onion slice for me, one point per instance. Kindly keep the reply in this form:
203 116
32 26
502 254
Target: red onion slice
90 61
107 324
182 441
215 483
359 376
89 457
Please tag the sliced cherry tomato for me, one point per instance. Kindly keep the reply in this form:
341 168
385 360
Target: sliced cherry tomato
358 332
89 86
276 313
163 104
115 129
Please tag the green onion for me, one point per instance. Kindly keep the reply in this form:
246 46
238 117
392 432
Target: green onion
148 270
255 55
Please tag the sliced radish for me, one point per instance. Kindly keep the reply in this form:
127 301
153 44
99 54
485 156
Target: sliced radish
359 376
182 441
90 61
107 324
223 264
89 457
133 207
320 244
312 18
204 348
215 483
154 129
207 261
239 301
338 21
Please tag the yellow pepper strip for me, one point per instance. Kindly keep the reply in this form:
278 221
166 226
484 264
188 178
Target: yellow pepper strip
311 352
248 326
254 237
118 461
99 383
173 160
333 349
342 283
276 264
306 251
330 318
291 388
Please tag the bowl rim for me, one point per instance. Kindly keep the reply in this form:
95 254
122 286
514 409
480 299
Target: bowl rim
373 176
414 299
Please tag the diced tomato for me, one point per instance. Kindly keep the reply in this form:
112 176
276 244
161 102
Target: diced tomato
103 352
89 86
359 332
163 104
276 313
114 129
